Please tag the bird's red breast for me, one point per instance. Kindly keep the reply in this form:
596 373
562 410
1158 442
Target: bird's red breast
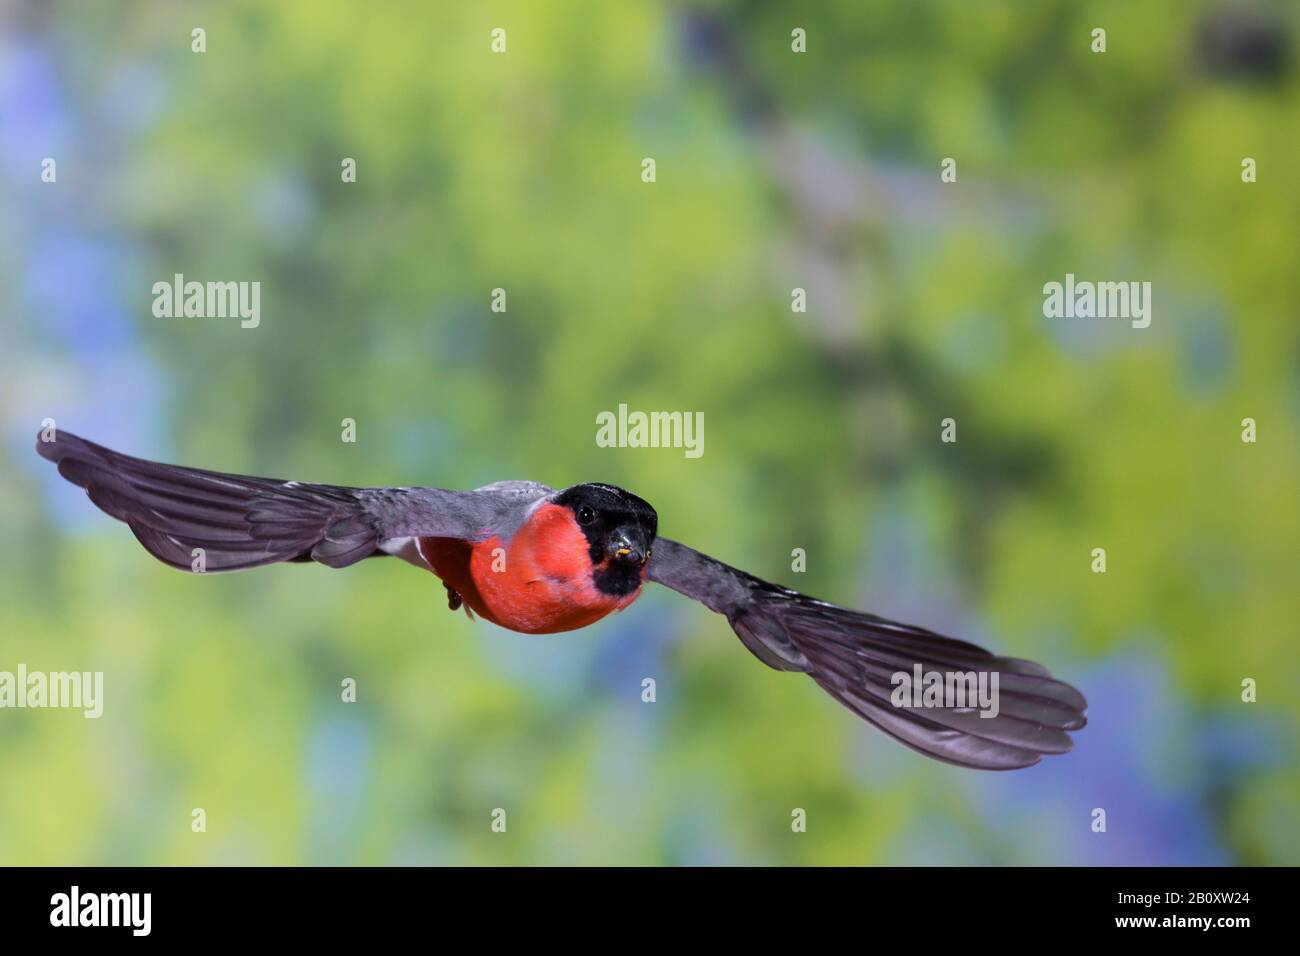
539 583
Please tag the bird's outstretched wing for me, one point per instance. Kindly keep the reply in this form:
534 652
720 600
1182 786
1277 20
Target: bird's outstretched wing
243 522
855 658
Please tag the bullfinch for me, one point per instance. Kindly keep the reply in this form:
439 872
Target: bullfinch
538 560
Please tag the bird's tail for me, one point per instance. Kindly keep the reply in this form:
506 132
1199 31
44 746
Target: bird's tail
199 520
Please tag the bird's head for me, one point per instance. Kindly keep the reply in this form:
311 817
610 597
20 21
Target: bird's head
620 529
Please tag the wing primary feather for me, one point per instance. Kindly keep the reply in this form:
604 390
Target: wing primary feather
857 659
241 521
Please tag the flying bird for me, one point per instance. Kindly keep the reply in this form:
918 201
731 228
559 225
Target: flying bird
538 560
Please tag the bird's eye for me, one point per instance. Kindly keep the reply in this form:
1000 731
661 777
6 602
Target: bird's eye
586 515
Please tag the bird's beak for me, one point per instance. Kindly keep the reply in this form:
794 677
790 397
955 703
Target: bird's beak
628 546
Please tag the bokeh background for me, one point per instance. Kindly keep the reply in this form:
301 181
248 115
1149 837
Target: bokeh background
775 170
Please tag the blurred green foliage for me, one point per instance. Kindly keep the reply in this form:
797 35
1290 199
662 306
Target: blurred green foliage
775 170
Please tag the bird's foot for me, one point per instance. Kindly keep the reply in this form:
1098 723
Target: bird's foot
454 600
